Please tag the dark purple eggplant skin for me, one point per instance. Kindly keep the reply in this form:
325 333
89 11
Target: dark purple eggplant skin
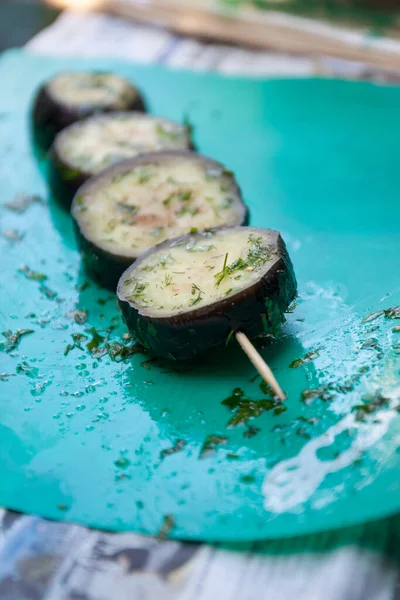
49 117
106 267
188 334
64 181
103 267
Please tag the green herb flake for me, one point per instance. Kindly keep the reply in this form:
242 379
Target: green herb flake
46 291
188 125
27 370
157 231
199 247
265 388
371 343
264 321
164 130
143 175
390 313
138 289
304 360
111 224
177 447
226 202
187 210
130 209
251 431
96 340
324 393
13 339
78 339
81 287
231 456
167 279
68 349
257 256
224 271
247 479
373 316
122 462
373 405
210 445
198 298
4 376
245 408
167 526
119 352
393 312
29 274
185 196
165 260
79 316
229 337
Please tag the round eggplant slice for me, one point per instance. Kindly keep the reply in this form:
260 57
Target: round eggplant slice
73 96
189 294
132 206
87 147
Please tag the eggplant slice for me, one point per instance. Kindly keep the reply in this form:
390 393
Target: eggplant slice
87 147
73 96
189 294
132 206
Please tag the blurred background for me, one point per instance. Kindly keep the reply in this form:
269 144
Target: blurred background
358 30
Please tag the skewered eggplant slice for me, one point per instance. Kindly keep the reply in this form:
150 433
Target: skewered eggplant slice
72 96
130 207
188 294
87 147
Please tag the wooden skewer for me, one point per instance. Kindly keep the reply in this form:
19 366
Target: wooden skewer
259 364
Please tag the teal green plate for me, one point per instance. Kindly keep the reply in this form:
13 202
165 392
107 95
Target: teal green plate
82 438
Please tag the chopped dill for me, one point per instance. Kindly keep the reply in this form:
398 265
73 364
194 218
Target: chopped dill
223 273
164 260
257 255
167 279
128 208
29 274
138 289
12 339
198 298
184 196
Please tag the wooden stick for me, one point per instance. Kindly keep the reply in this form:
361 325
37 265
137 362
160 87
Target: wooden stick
259 364
264 29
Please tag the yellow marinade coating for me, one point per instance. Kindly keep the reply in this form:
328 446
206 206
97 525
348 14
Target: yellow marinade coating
199 272
92 89
98 142
131 211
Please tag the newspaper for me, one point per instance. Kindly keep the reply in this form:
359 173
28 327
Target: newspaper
57 561
43 560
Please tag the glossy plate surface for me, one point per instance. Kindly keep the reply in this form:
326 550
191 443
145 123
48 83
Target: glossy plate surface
83 438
